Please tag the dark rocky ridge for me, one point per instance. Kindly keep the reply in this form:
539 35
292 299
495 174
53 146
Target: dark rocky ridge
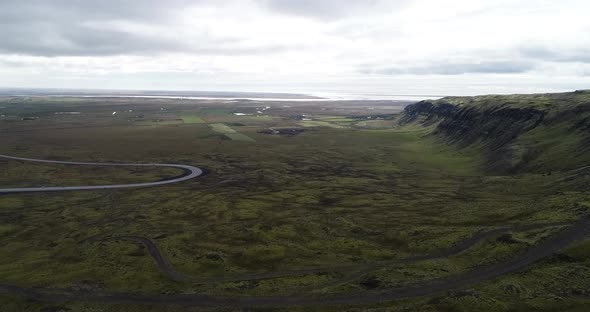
495 123
495 127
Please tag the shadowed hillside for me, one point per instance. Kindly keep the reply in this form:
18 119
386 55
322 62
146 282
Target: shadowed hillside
537 133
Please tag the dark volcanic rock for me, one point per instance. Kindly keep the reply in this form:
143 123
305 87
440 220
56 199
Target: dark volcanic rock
371 282
214 256
427 109
506 239
463 293
283 131
55 309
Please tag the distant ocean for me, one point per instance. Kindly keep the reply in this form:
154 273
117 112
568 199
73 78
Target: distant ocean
373 97
323 98
220 95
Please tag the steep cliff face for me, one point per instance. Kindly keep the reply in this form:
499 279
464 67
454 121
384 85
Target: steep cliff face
429 110
514 132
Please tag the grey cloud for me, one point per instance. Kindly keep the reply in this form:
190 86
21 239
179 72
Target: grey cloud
61 27
32 10
85 28
446 68
49 40
329 9
12 63
557 55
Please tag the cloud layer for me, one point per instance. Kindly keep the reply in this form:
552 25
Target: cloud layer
297 45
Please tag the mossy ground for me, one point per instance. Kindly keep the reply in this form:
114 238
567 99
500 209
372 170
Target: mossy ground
351 193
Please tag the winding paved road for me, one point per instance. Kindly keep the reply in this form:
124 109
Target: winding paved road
190 172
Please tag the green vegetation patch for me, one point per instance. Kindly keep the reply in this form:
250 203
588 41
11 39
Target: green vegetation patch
239 137
191 119
222 128
230 133
319 123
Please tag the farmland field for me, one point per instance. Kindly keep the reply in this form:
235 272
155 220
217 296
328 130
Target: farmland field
230 133
192 119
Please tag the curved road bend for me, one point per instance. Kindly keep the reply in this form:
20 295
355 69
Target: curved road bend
551 245
191 172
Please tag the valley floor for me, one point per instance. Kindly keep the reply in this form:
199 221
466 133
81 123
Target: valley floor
346 207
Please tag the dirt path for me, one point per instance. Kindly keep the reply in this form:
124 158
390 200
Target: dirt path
351 272
549 246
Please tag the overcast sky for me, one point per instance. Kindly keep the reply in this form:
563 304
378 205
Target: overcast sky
308 46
